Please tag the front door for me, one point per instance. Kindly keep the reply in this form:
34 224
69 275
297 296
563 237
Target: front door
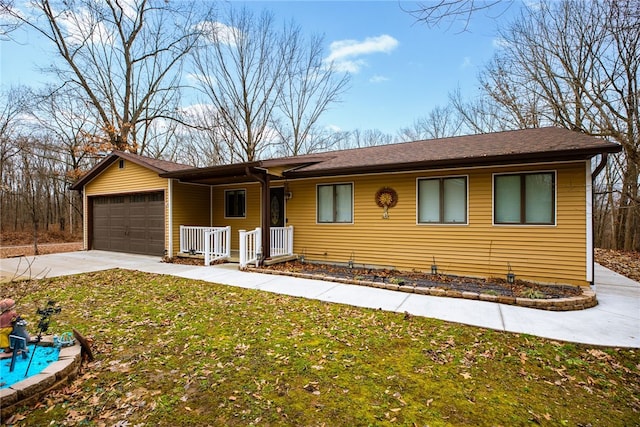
276 197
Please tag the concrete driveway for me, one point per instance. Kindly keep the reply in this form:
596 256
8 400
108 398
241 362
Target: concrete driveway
614 322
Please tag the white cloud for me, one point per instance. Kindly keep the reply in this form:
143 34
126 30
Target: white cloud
84 25
217 32
81 27
466 62
378 79
346 54
349 66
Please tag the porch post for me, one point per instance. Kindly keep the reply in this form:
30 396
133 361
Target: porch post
266 218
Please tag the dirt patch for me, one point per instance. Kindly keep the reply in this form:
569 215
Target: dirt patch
25 238
493 286
625 263
185 261
43 249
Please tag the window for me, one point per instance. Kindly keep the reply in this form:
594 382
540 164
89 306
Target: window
442 200
527 198
234 203
335 203
121 164
156 197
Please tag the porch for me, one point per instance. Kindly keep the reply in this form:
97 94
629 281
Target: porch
214 244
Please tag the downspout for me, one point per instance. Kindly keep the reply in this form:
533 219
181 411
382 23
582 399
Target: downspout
603 163
265 217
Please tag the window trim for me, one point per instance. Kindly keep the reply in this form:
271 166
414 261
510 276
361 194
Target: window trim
244 216
334 184
522 174
441 178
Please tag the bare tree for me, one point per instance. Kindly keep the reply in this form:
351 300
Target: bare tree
479 115
440 122
239 67
436 12
310 85
204 143
13 105
576 64
62 118
124 58
366 138
268 87
8 23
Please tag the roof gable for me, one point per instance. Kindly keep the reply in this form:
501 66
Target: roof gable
156 165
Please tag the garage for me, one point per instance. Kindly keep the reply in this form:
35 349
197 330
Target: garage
131 223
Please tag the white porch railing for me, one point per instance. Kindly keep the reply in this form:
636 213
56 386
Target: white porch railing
250 244
281 241
192 238
217 244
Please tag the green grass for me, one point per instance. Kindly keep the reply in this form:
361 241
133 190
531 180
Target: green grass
172 351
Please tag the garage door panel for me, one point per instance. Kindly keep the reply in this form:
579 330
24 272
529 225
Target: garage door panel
131 223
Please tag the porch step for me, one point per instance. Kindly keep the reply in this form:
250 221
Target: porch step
234 259
279 259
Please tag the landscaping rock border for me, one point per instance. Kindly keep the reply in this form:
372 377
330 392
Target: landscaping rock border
581 302
32 389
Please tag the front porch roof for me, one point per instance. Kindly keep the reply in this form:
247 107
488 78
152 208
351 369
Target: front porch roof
243 172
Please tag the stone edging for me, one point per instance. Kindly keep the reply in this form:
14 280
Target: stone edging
581 302
31 390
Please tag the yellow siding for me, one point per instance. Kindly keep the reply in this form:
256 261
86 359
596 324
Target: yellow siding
252 218
132 178
190 207
554 254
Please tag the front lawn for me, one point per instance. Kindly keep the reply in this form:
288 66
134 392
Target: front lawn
172 351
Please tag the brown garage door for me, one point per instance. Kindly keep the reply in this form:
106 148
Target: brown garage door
129 223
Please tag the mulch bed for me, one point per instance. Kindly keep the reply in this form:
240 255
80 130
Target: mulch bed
493 286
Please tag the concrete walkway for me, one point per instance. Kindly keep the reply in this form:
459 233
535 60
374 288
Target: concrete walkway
614 322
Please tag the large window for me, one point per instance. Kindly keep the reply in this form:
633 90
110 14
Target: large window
442 200
234 203
335 203
527 198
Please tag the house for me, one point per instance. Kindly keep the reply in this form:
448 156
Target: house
478 205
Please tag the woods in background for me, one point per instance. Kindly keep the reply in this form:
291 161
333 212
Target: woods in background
261 90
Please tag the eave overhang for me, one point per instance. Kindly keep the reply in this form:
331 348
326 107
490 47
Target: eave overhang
495 160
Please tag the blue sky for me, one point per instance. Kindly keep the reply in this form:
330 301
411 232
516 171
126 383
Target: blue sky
393 87
400 69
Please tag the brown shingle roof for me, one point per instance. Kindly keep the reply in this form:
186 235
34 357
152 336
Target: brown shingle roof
531 145
509 147
156 165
